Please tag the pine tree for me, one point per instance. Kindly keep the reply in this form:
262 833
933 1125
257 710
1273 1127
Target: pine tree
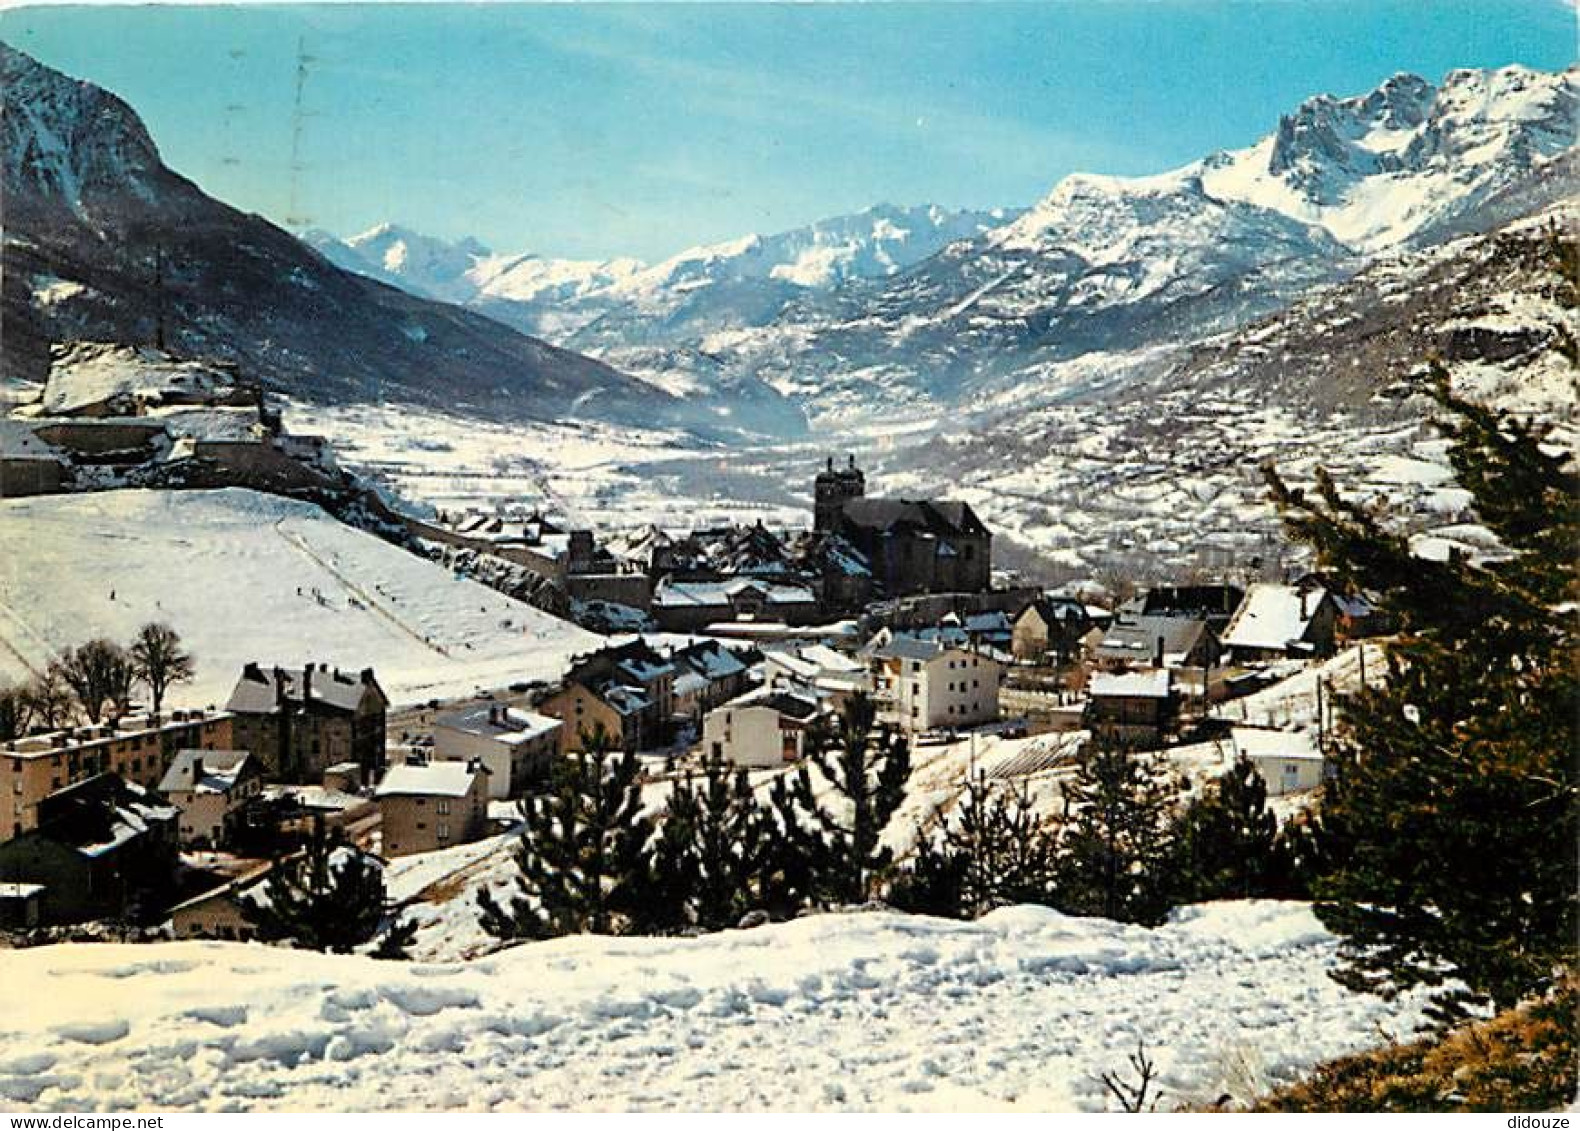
1449 832
867 766
329 897
996 850
583 860
1115 844
1010 855
932 881
1226 840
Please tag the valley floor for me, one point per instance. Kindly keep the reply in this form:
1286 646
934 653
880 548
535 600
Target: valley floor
1022 1009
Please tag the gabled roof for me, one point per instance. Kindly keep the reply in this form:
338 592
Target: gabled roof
436 779
1154 683
793 704
940 519
1274 617
1057 610
709 659
510 726
261 690
1136 638
221 770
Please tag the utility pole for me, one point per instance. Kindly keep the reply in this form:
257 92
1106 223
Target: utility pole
159 297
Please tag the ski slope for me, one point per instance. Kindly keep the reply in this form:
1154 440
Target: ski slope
246 576
1021 1009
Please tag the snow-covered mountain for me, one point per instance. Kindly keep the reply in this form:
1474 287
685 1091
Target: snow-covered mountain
103 242
625 302
1399 164
1114 264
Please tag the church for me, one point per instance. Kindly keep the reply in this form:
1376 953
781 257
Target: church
914 546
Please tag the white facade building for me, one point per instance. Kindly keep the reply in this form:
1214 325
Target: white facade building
1288 760
765 728
516 747
928 685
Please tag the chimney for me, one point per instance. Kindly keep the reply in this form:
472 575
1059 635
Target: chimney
252 671
850 460
831 463
307 682
197 771
367 675
279 687
1157 656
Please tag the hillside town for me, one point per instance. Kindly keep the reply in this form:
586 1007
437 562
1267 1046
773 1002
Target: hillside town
742 644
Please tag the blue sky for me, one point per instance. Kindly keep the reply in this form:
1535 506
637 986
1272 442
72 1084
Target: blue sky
641 129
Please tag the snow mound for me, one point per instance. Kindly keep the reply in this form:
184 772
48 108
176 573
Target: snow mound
246 576
1021 1009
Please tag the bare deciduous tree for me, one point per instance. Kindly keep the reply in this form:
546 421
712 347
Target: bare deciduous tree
99 672
159 661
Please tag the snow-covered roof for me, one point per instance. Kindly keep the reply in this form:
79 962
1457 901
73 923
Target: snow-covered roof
1259 742
204 771
20 891
1152 684
690 683
794 704
1273 616
508 725
436 779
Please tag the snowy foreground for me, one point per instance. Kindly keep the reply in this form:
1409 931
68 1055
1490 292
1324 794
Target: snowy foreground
879 1010
245 576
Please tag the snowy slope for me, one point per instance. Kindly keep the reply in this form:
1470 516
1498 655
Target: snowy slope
244 576
1019 1010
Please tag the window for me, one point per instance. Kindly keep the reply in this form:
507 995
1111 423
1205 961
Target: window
444 832
442 808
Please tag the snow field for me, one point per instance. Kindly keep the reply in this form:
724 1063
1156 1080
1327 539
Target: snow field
1020 1010
245 576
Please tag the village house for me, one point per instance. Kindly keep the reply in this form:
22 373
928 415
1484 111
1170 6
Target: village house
691 606
922 685
1138 641
211 788
1050 629
1135 710
137 748
218 913
101 848
534 542
1288 760
707 674
1214 604
516 747
764 728
627 690
1282 621
298 722
423 808
833 675
911 546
